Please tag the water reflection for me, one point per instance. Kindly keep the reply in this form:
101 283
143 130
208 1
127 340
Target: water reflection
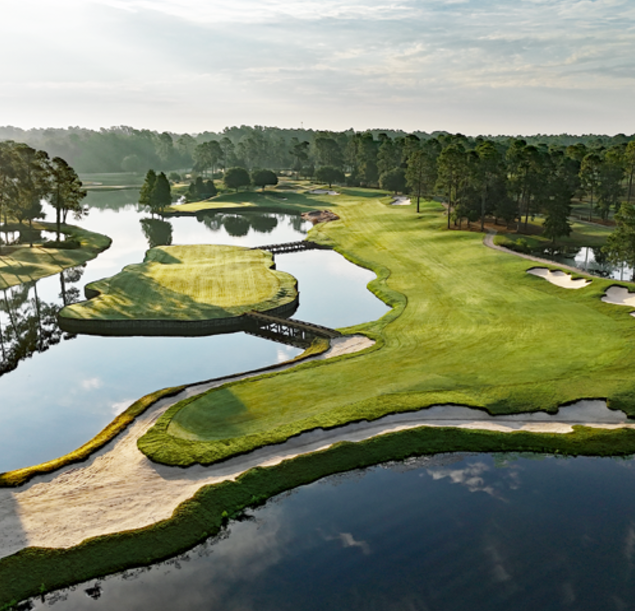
239 225
158 232
28 324
473 533
588 259
57 399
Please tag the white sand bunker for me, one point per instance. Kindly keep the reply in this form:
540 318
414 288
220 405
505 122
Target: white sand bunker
323 192
619 295
120 489
400 200
559 278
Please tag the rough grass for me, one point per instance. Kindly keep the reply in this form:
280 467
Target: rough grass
469 326
189 283
25 264
582 234
35 571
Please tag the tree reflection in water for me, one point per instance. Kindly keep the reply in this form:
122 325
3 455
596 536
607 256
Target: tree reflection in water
238 225
157 231
28 324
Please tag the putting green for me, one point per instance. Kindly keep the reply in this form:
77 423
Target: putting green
189 283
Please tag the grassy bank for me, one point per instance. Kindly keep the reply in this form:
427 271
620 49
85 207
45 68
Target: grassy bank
470 326
189 283
280 200
582 234
35 571
22 263
18 477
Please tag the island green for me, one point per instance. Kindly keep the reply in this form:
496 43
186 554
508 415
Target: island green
188 283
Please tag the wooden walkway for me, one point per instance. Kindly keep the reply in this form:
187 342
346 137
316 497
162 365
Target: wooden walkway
291 247
286 330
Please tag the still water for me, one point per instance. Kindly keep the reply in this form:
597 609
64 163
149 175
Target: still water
590 260
58 391
452 532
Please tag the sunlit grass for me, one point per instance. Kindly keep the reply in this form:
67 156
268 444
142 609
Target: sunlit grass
26 264
189 283
469 326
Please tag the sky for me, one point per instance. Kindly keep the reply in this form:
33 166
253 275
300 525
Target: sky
469 66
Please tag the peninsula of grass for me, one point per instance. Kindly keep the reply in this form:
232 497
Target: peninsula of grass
23 263
468 326
280 200
185 284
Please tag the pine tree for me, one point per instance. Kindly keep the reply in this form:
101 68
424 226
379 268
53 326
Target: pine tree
161 196
145 195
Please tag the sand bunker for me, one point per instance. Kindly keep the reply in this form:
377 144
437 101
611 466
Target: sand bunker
323 192
117 488
559 278
400 200
618 295
120 489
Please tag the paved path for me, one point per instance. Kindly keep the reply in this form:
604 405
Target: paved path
488 240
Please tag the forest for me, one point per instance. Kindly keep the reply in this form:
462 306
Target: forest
508 178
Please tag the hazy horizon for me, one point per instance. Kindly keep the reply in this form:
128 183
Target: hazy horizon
470 66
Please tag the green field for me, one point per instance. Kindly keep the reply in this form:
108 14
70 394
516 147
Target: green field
582 234
189 283
279 200
25 264
469 326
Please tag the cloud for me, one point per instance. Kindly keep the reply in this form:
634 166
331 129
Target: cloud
91 384
470 477
349 541
424 64
121 406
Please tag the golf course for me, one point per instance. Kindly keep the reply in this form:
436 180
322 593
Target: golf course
188 283
27 263
469 326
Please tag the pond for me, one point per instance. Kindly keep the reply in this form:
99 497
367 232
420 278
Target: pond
445 533
590 260
58 391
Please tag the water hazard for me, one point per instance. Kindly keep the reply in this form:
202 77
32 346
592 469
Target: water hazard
451 532
591 260
58 390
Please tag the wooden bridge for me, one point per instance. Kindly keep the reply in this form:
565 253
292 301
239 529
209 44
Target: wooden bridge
285 330
292 247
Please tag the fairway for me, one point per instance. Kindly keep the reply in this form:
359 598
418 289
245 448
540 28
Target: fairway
189 283
469 326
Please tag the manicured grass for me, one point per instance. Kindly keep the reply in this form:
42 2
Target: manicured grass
25 264
271 200
189 283
582 234
469 326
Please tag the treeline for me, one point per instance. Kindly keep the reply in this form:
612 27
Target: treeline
132 150
514 180
29 176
